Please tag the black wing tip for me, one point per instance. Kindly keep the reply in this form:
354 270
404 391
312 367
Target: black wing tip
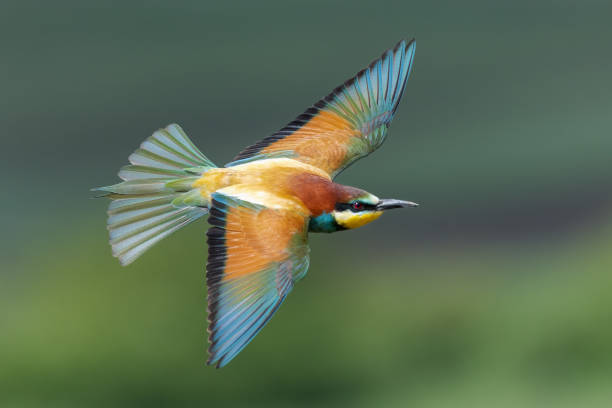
213 359
407 43
404 43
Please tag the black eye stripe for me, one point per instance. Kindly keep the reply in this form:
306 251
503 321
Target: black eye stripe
342 206
349 206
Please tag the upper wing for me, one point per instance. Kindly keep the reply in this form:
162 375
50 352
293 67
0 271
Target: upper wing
256 253
349 123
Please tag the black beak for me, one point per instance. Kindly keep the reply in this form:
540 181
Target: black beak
389 203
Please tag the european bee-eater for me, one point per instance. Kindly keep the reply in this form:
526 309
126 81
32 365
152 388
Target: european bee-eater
263 204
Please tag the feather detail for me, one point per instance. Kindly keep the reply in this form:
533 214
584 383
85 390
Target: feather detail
350 122
156 197
256 254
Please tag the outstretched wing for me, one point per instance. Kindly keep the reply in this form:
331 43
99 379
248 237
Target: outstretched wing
346 125
256 252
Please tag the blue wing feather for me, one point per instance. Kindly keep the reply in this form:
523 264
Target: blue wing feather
367 102
239 307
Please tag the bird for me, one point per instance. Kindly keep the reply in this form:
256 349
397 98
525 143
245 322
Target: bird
262 205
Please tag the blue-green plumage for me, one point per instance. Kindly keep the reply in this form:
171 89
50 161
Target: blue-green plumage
324 223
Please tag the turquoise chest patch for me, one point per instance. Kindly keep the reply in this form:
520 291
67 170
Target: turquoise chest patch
324 223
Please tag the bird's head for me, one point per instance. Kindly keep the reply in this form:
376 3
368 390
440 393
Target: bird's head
354 208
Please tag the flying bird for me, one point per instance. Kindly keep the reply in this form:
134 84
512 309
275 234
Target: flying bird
262 205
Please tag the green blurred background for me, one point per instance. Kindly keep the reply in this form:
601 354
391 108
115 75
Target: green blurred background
494 293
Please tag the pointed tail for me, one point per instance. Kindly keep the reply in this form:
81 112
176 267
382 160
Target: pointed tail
156 197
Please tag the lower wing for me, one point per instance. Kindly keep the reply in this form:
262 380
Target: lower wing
256 254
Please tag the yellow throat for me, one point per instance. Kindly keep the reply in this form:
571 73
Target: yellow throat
350 220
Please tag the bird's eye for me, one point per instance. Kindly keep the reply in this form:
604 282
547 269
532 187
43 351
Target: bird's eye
357 206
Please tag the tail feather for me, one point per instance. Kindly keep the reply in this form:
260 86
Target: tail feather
129 241
172 147
156 198
137 172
